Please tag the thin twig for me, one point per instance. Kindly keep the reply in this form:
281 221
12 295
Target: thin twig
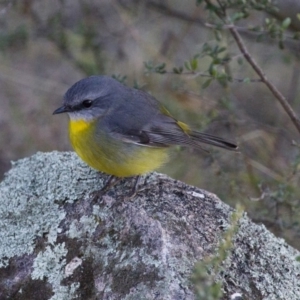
240 43
282 100
234 32
162 8
201 74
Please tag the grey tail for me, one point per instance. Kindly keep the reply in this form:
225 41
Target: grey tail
199 137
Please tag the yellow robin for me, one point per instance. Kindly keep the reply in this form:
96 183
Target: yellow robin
124 131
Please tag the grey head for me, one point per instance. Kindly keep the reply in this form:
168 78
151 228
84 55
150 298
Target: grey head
91 97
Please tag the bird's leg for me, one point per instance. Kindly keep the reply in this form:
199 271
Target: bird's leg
134 189
111 181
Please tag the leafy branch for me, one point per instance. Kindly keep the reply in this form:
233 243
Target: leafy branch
220 11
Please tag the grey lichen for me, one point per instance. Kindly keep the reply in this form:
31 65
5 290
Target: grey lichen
268 264
50 264
62 239
82 228
31 198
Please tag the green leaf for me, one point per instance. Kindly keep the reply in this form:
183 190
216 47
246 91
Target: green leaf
240 61
206 47
213 70
255 28
296 36
148 65
119 77
160 68
281 45
207 83
218 35
238 15
221 49
187 65
178 70
223 78
194 64
286 23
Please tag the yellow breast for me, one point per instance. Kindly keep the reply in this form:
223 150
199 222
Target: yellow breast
112 156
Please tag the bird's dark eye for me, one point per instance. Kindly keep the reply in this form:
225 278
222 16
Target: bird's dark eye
87 103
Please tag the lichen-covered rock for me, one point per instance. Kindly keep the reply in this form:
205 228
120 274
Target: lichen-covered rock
62 239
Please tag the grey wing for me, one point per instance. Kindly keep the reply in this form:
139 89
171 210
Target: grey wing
160 131
150 134
164 131
138 120
141 122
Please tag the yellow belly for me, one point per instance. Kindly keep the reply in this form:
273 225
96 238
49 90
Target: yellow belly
112 156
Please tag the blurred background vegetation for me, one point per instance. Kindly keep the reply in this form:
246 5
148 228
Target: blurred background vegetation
180 52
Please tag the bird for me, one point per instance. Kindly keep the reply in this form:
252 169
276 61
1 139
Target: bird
124 131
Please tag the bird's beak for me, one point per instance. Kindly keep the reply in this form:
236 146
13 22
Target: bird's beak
61 110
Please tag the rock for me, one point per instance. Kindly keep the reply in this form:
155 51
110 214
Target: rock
62 239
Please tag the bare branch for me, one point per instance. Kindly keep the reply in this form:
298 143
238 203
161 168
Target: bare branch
201 74
282 100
